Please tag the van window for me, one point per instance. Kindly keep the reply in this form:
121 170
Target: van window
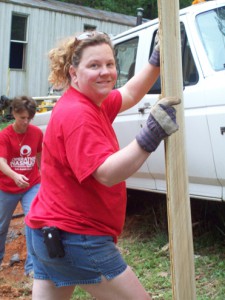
190 73
125 60
211 25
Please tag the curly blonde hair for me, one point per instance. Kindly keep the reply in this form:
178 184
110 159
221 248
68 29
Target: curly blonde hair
60 61
69 52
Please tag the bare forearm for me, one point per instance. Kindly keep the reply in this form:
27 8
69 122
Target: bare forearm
135 89
121 165
5 168
19 179
140 84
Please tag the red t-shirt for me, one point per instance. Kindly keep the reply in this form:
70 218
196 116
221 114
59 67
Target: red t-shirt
21 158
77 141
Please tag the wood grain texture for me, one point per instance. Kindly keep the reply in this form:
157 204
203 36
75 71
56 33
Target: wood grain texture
178 201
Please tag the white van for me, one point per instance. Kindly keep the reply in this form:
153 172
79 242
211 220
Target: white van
203 59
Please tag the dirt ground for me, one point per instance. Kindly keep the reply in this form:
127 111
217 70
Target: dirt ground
13 283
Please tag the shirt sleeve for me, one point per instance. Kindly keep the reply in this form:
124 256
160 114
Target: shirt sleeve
4 149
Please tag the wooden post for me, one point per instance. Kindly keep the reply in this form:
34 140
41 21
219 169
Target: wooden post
178 202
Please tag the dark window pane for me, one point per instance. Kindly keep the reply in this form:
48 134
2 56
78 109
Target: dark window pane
18 31
156 88
190 73
89 27
16 56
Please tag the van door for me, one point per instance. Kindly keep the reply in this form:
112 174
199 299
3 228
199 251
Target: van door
203 180
211 29
129 54
132 51
216 123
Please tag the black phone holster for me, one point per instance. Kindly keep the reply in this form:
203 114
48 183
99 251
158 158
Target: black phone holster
53 242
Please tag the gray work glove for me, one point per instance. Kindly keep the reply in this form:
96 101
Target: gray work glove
160 124
155 57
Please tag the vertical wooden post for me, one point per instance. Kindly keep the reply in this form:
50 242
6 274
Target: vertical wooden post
178 202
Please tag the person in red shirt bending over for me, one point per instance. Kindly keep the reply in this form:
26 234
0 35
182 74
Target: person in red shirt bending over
20 155
79 212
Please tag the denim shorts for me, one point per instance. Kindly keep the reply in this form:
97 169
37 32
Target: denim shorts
86 259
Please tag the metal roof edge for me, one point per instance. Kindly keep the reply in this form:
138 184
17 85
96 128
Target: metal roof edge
77 10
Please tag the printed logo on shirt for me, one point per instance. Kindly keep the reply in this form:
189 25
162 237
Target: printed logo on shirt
25 162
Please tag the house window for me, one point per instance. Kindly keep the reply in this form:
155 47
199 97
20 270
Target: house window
18 42
89 27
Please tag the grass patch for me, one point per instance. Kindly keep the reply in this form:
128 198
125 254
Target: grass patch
144 245
4 124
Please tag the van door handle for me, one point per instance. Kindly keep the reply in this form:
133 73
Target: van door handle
222 130
142 109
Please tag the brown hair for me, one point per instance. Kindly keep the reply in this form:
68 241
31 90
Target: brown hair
24 103
69 52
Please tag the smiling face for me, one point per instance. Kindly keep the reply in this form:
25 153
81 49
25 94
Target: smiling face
96 74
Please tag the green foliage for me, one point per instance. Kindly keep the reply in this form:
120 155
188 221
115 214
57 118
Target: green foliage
127 7
4 124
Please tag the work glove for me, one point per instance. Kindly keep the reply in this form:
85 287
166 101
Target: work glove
155 57
160 124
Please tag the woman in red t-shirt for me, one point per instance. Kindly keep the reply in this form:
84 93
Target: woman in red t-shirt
75 219
20 154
